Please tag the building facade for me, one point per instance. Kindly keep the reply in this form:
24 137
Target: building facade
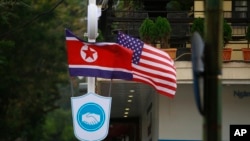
153 117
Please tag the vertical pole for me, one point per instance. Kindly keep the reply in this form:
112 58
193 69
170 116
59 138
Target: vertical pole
91 84
212 72
92 34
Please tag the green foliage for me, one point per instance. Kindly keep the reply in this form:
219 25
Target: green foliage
148 30
163 30
159 30
179 5
5 46
198 25
163 27
173 5
127 5
227 32
248 35
33 63
100 37
58 126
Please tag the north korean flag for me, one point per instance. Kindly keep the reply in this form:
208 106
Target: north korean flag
105 60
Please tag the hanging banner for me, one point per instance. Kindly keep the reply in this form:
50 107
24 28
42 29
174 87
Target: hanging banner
91 115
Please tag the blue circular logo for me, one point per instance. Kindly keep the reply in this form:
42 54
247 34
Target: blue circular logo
90 117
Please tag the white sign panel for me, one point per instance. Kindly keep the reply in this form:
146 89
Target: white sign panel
91 115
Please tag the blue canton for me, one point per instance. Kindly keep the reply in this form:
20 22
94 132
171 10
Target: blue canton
134 44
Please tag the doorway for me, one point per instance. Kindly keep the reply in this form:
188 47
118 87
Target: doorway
123 129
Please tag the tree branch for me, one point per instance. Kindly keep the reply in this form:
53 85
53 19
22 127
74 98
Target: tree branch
32 20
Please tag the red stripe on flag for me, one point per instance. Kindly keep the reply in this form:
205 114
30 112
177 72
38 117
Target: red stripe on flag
155 67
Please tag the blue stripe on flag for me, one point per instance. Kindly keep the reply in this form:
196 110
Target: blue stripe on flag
100 73
70 34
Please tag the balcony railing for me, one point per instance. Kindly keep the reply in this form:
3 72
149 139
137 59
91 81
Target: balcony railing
181 22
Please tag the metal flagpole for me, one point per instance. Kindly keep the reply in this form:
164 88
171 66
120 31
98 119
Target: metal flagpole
92 28
212 71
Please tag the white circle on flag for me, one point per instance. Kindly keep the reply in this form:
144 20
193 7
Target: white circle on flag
88 54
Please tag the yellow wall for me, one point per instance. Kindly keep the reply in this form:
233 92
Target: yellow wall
199 7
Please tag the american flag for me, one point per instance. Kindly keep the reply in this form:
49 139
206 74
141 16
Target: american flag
151 65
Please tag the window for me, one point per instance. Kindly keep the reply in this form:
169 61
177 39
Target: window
240 8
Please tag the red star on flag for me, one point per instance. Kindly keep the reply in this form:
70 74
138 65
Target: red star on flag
89 53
